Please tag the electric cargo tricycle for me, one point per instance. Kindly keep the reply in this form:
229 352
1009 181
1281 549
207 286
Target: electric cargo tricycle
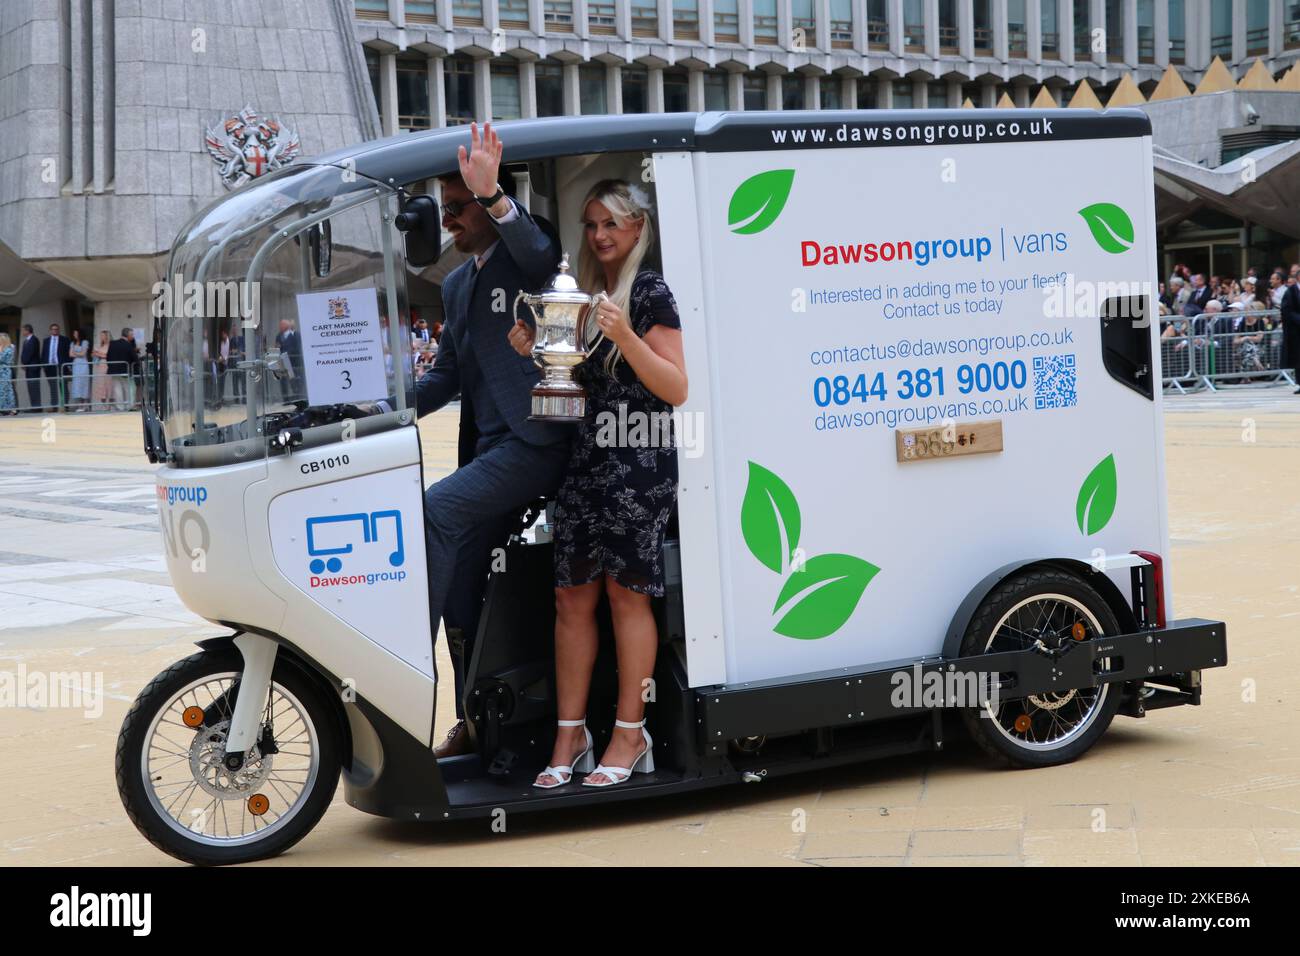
921 469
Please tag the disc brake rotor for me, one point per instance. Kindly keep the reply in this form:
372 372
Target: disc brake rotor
207 763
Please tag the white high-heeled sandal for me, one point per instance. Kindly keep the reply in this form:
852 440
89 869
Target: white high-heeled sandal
644 763
581 763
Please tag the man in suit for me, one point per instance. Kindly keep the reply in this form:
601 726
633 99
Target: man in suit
515 461
289 343
1200 296
30 356
121 359
1290 308
56 352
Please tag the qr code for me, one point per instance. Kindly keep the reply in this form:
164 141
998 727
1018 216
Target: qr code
1054 381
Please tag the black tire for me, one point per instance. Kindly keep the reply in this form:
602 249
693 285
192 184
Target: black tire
1033 747
162 830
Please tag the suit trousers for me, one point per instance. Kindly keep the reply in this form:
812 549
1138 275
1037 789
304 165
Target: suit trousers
469 513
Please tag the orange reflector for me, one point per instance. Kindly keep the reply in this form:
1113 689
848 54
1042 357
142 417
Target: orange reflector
1023 723
258 804
193 716
1079 631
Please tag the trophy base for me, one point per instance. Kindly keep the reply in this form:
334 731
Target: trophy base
558 405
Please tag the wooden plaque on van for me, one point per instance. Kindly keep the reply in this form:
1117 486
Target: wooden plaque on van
948 441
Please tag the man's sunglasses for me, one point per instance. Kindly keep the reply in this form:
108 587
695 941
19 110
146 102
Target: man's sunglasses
454 209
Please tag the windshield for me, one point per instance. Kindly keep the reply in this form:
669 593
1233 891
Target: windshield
284 306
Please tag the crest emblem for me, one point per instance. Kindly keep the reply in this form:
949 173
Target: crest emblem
339 308
248 145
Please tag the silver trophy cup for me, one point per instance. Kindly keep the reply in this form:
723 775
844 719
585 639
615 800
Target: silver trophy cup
562 313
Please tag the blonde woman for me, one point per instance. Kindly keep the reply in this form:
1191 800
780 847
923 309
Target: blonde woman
8 401
101 392
619 490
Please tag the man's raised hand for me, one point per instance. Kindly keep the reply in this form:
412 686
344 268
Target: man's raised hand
479 167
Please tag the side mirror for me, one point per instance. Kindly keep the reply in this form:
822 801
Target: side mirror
421 223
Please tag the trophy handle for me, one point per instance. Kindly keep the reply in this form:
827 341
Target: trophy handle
514 317
586 317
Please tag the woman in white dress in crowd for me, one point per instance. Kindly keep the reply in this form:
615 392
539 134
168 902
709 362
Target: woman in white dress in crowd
79 352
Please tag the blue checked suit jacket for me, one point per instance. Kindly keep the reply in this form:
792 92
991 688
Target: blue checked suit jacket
525 258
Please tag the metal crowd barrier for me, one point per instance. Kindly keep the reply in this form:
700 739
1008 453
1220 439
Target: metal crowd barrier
44 393
1211 352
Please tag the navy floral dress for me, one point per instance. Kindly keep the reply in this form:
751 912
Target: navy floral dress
618 492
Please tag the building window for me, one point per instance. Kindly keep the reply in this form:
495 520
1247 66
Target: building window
715 91
636 90
1082 30
413 93
755 91
948 30
802 17
936 95
866 89
841 24
557 17
601 19
726 21
902 94
792 91
1290 23
645 19
513 14
1115 30
677 91
1017 29
878 24
686 19
1256 27
1177 31
505 90
1051 30
591 89
467 13
765 22
983 21
914 25
1221 28
830 93
458 81
548 76
1146 10
371 9
422 11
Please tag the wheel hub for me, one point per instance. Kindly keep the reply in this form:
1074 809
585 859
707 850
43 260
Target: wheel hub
208 764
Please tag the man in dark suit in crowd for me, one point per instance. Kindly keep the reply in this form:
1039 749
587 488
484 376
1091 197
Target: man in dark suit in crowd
289 342
515 461
122 357
1290 309
30 356
56 352
1200 297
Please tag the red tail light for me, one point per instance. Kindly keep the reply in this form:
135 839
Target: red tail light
1157 583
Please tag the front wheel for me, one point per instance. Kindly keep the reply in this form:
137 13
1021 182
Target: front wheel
1055 608
180 793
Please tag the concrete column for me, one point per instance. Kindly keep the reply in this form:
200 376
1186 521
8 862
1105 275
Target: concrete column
623 18
444 15
570 89
706 22
482 89
537 16
1197 46
1034 30
884 93
966 31
735 91
581 23
920 94
103 74
849 92
1131 34
774 97
80 106
491 14
613 88
860 28
397 15
388 93
527 89
1274 27
896 27
1020 94
654 90
1096 21
822 13
998 14
812 93
1238 30
665 10
932 28
437 92
954 94
988 95
784 31
1161 37
695 91
745 26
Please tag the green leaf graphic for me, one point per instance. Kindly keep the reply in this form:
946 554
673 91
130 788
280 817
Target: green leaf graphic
837 582
768 509
1110 226
1097 494
759 200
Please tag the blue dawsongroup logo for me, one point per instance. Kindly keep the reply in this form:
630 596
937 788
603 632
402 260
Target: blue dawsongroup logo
330 537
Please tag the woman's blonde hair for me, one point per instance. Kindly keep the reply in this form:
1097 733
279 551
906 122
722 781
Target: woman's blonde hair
625 203
5 341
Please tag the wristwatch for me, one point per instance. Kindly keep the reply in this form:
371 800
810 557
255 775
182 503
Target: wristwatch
491 201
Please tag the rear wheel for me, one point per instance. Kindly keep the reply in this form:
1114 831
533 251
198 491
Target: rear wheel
179 792
1055 608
